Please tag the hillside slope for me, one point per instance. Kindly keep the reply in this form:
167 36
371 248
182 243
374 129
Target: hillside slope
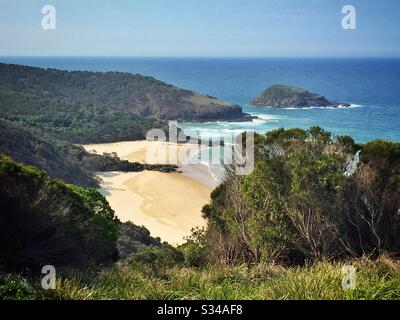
25 147
117 92
63 160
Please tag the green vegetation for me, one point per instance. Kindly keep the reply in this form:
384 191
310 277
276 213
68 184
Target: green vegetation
282 96
283 232
302 202
77 123
94 107
60 160
375 280
44 112
49 222
76 107
63 160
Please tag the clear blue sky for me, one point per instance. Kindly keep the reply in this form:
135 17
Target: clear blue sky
200 28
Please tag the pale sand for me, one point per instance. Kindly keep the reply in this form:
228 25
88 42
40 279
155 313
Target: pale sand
147 151
168 204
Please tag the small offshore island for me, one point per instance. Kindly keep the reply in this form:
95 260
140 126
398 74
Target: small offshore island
282 96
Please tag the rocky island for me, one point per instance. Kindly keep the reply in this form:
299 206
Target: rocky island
282 96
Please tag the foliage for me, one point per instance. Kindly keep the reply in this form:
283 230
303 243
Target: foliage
299 204
90 107
48 222
193 250
63 160
133 239
282 232
156 259
14 288
24 146
375 280
372 196
77 123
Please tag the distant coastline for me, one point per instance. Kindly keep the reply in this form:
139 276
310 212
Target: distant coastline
239 80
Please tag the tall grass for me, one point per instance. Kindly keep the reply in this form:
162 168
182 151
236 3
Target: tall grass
378 279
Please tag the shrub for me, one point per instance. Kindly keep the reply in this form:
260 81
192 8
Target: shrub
14 288
156 260
48 222
194 249
300 204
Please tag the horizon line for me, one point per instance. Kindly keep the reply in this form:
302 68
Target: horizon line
199 57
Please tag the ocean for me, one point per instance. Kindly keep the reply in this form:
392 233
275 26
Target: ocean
371 85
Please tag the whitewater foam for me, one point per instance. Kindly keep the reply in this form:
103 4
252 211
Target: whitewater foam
332 108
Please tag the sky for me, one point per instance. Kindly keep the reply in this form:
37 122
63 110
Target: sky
200 28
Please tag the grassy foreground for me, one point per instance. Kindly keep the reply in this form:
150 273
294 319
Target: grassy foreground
378 279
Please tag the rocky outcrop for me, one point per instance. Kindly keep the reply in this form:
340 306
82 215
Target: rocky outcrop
109 162
281 96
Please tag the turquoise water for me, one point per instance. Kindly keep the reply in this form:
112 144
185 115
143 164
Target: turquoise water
372 86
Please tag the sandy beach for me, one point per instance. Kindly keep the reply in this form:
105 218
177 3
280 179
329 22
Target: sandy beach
168 204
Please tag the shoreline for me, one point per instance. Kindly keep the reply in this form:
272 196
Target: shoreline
167 204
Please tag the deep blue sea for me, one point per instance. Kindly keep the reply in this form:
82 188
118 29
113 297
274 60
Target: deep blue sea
372 86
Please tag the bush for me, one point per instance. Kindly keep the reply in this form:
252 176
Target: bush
156 260
48 222
14 288
194 249
132 239
300 203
